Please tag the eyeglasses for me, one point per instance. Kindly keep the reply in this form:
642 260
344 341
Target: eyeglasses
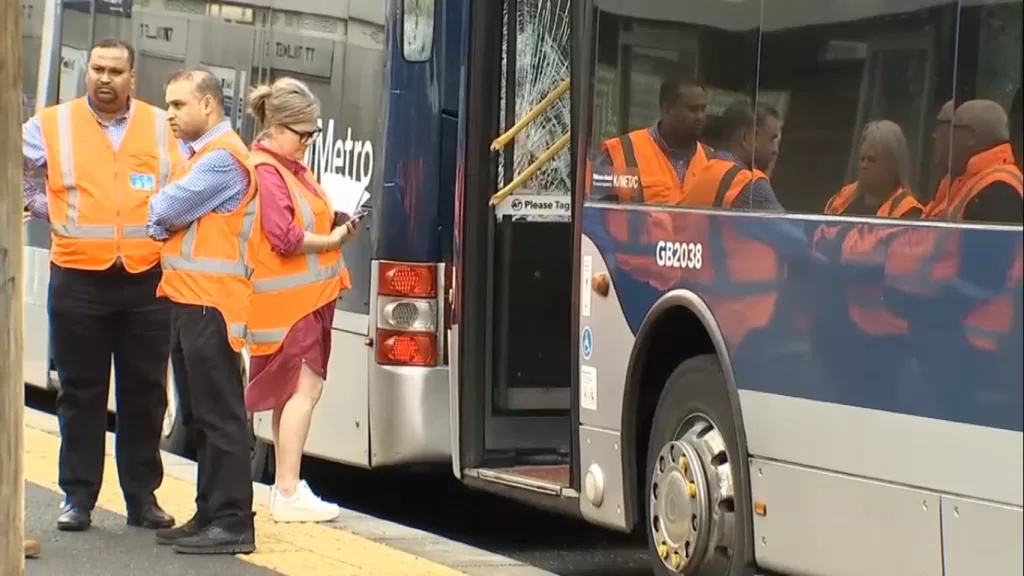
305 137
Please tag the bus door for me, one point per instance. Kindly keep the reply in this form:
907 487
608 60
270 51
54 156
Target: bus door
512 338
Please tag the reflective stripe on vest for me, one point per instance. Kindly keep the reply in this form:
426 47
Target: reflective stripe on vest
72 229
314 274
187 262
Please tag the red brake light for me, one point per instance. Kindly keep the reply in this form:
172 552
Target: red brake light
412 280
406 348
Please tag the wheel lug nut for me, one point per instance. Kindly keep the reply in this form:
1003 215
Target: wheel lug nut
662 551
677 560
691 489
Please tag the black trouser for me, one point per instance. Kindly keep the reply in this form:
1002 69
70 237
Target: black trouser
210 388
95 315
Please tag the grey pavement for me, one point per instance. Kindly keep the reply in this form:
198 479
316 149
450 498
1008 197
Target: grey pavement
111 548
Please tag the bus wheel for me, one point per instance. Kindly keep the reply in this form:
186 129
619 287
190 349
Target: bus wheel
697 519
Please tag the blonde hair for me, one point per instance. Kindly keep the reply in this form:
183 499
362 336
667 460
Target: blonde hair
892 146
285 102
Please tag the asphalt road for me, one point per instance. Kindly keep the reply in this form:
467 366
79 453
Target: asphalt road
438 503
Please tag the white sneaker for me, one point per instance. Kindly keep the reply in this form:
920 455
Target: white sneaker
302 506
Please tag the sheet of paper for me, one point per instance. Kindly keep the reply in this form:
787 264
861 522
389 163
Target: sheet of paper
344 194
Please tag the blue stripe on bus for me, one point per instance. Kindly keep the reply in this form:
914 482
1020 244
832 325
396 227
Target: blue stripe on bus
812 350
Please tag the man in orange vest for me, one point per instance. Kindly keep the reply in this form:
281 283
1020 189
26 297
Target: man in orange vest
954 280
667 154
652 165
207 217
104 155
743 270
940 156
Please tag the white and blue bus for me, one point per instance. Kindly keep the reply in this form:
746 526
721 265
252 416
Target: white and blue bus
502 333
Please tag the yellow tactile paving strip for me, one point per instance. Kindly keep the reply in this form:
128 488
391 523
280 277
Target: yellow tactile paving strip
291 549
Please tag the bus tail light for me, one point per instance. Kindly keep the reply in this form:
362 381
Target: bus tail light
407 315
403 279
406 348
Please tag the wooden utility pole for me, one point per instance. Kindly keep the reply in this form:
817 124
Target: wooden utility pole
12 384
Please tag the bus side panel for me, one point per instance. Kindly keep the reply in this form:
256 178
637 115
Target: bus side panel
408 406
880 444
407 207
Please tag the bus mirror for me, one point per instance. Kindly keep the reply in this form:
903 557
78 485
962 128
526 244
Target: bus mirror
417 29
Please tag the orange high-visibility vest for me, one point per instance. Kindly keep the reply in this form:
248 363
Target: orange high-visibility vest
928 259
866 244
99 197
210 262
286 288
938 204
740 277
637 153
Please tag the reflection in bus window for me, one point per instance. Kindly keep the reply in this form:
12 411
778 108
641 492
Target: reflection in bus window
844 65
984 164
663 85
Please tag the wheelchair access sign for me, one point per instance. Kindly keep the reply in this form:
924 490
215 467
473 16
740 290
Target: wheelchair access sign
587 343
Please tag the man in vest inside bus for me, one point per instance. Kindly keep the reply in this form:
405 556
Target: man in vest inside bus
667 155
104 154
206 216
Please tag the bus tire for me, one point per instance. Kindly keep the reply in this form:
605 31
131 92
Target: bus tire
693 437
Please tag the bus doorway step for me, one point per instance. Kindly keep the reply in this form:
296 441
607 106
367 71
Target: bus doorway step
553 480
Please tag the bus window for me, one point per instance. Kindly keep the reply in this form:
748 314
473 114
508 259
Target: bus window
665 74
417 29
842 66
986 130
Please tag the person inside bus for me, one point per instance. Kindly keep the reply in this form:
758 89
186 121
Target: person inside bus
865 324
297 281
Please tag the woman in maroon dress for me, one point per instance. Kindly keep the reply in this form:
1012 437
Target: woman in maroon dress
289 380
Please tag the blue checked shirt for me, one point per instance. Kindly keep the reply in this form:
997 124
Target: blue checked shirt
217 182
756 195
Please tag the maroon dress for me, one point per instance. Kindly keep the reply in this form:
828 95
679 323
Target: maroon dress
273 378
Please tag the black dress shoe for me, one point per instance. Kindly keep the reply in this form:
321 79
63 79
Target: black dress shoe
215 539
74 519
150 516
169 536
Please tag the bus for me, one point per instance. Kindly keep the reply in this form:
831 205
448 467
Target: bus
503 334
780 432
371 410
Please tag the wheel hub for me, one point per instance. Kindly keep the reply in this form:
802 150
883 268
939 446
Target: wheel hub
691 497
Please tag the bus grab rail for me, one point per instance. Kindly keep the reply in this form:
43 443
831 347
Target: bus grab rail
530 170
501 141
